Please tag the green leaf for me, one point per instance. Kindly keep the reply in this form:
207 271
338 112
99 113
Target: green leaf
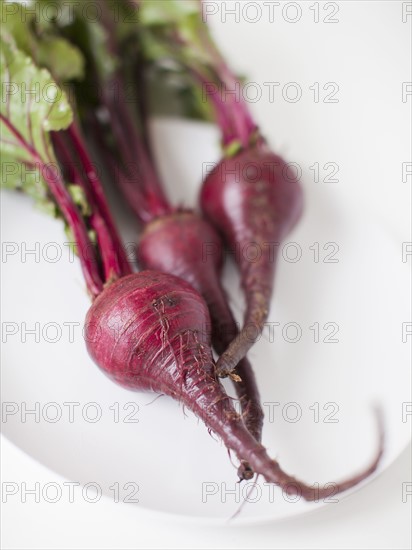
175 39
64 60
232 149
164 12
15 21
154 47
174 93
104 61
89 39
176 28
79 197
32 105
33 29
50 13
92 236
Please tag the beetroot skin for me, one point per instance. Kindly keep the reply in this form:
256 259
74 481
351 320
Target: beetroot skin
253 199
144 328
147 332
187 246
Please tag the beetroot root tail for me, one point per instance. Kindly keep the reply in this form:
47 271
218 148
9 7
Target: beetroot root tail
231 357
237 438
248 393
257 311
272 472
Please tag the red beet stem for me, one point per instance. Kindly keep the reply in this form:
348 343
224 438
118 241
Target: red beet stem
124 128
96 193
70 147
76 223
228 101
58 190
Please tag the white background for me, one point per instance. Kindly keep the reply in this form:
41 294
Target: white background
374 518
368 54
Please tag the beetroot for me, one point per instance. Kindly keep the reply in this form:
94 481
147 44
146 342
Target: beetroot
173 242
187 246
183 244
147 332
253 199
249 197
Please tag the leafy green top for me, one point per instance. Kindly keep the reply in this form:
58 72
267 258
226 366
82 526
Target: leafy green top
32 105
175 30
36 61
33 30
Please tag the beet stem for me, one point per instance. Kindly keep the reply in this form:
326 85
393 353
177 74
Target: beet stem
69 145
126 132
76 223
119 263
87 255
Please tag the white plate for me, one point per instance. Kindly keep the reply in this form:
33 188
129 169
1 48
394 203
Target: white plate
167 455
177 467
